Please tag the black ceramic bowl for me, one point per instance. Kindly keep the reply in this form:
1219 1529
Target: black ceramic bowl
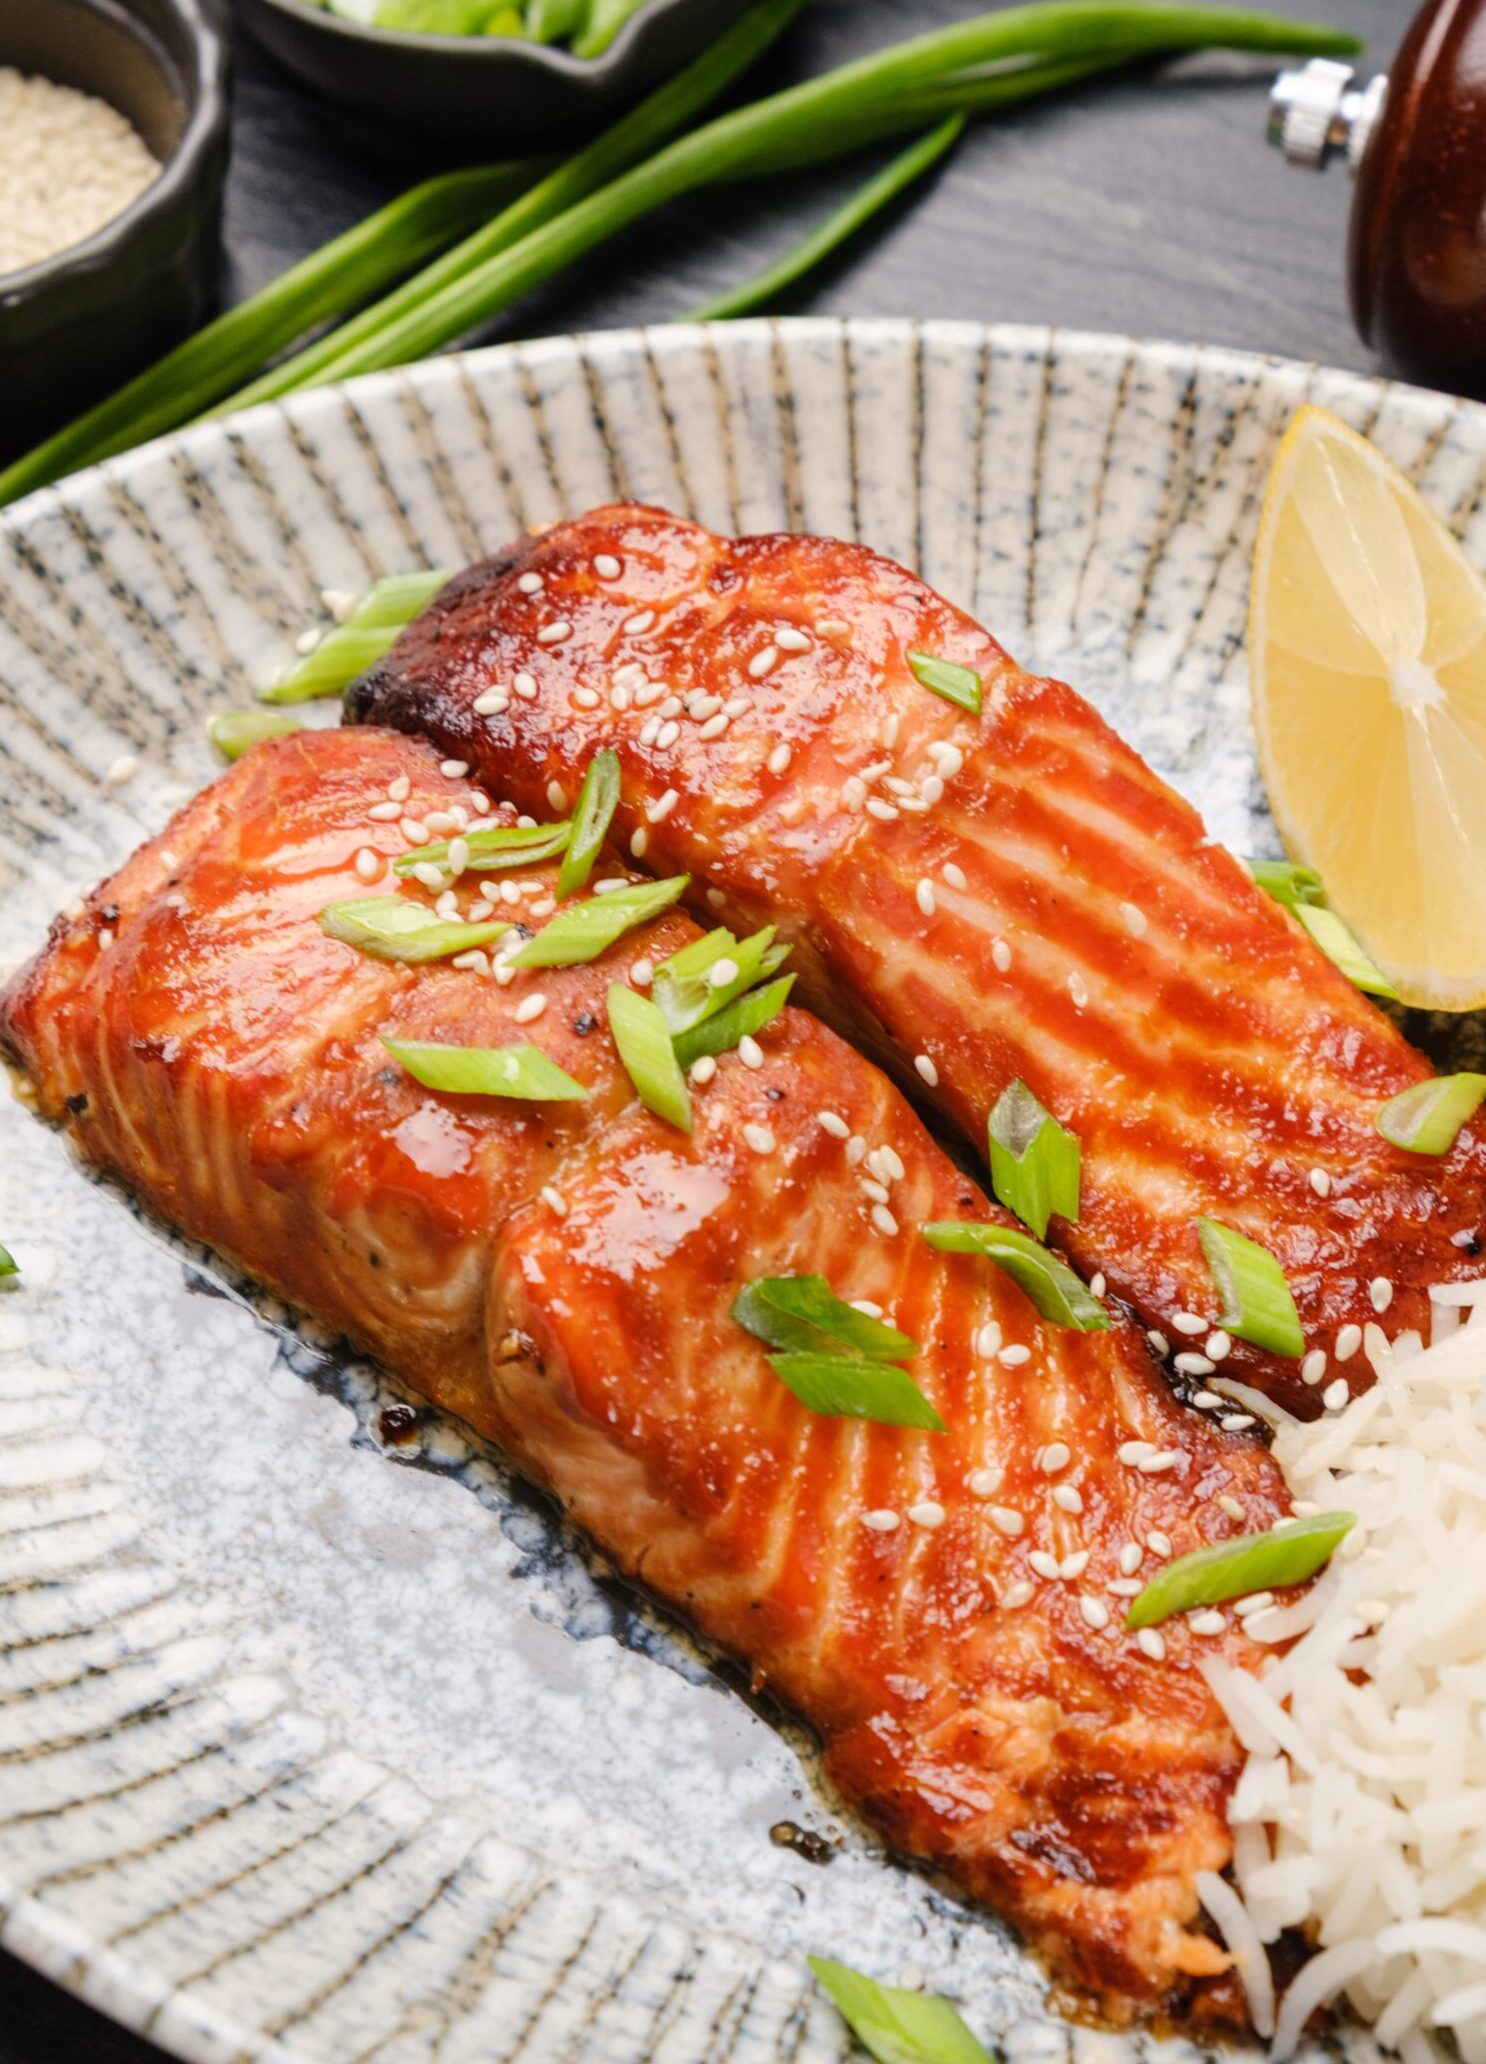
77 325
493 95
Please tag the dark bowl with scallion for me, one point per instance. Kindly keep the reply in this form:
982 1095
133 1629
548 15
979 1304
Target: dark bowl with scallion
493 76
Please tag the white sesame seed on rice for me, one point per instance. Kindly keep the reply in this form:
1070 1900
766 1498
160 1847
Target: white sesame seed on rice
642 621
759 1137
1068 1498
884 1221
987 1340
750 1053
836 1126
1347 1342
606 566
1016 1595
1097 1284
1007 1520
1055 1456
1207 1623
370 865
586 698
927 1070
555 1200
1217 1346
1095 1612
703 1069
1335 1396
491 702
886 813
1000 955
638 842
713 728
1193 1365
1158 1342
881 1521
1045 1565
1230 1505
954 874
791 639
984 1483
1159 1543
763 662
1320 1182
1151 1642
642 973
529 1007
1015 1356
525 686
778 760
924 896
856 1150
1130 1558
715 899
415 832
928 1512
1236 1422
1380 1290
530 583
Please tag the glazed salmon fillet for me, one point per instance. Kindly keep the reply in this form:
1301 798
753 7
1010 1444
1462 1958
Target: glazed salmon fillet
561 1276
973 898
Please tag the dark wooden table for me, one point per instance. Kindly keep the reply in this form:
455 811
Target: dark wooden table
1152 205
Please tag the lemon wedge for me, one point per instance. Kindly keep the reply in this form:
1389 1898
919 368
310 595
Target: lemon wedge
1367 651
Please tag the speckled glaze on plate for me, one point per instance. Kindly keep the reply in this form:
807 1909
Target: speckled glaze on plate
320 1744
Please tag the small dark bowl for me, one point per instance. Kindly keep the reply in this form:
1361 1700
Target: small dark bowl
77 325
492 95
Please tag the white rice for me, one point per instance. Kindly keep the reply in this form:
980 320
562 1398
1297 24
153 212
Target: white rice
69 163
1361 1811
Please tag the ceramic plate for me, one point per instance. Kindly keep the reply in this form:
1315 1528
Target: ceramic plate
317 1744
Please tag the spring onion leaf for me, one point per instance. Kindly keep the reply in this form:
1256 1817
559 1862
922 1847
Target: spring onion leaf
1034 1160
236 731
894 2025
1288 883
1257 1304
499 1071
1052 1286
687 987
804 1313
605 19
397 928
585 930
842 1386
371 631
550 21
9 1266
506 845
745 1017
644 1042
598 799
1338 944
1427 1117
944 677
1288 1554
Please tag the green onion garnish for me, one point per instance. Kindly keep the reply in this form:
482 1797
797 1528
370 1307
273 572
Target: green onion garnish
397 928
1337 943
1257 1304
235 731
957 684
371 631
1288 883
506 845
598 799
1427 1118
1288 1554
1034 1160
585 930
1051 1284
850 1387
744 1018
687 986
896 2026
644 1042
9 1266
499 1071
803 1313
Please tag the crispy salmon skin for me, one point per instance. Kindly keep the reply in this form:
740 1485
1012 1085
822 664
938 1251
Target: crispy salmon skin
975 897
946 1609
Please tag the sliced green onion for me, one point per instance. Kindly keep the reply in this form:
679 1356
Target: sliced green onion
1034 1160
506 845
803 1313
1289 884
1051 1284
894 2025
1288 1554
644 1042
1427 1118
598 799
850 1387
371 631
397 928
9 1266
585 930
744 1018
687 987
236 731
944 677
1338 944
498 1071
1257 1304
605 19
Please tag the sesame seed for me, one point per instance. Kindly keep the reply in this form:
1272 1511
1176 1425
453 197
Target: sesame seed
1207 1400
853 791
508 892
927 1070
530 583
658 811
1078 989
714 727
474 962
637 625
721 973
1135 919
865 1305
384 813
416 833
668 733
1313 1368
1463 1239
876 1191
1160 1462
649 730
1000 955
1231 1506
888 732
1188 1322
759 1138
1320 1182
556 797
1016 1595
750 1053
1207 1623
1045 1565
927 1513
1347 1342
1193 1365
526 687
369 865
1133 1451
105 939
529 1007
431 877
452 770
1006 1520
340 602
1095 1612
1054 1457
638 841
1236 1422
897 786
987 1340
439 822
400 789
703 1069
1067 1498
1158 1543
778 760
619 696
884 812
931 790
1253 1601
1152 1644
1336 1395
645 692
856 1150
763 662
832 627
307 641
924 895
1014 1356
737 706
1074 1565
881 1521
586 698
892 1161
606 566
836 1127
1217 1346
609 884
1380 1290
984 1483
789 639
1130 1557
954 875
555 1200
884 1221
1097 1284
1159 1343
642 973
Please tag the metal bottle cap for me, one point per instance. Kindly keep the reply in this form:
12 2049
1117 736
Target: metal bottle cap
1319 109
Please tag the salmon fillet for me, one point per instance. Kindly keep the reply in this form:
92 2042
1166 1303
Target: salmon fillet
972 898
561 1276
